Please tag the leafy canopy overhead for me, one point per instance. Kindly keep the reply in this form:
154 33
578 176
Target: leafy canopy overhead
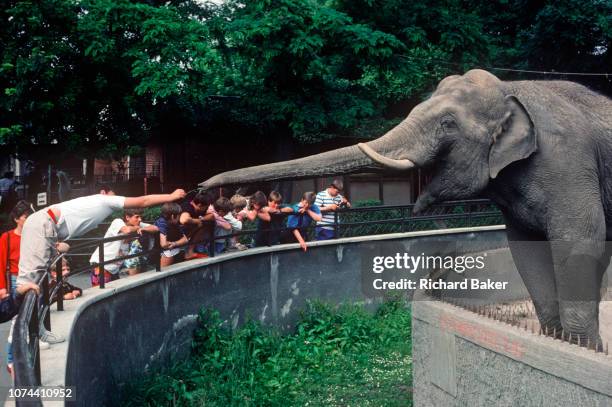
97 77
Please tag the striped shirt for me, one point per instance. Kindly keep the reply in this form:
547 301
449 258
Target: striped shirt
323 199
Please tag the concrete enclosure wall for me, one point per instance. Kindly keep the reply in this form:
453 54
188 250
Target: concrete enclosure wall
117 333
463 359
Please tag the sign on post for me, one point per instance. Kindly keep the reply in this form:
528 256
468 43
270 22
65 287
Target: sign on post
41 199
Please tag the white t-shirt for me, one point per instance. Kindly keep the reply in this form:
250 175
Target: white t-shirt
235 224
115 248
80 215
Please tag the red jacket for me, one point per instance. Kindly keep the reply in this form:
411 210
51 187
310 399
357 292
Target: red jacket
13 257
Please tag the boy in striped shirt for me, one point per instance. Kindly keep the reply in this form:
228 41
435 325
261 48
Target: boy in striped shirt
329 200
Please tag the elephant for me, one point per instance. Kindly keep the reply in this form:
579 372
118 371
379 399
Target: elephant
541 150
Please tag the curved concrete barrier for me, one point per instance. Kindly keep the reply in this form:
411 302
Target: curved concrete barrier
121 331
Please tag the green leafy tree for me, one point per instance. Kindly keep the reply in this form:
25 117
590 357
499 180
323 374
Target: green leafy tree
91 76
98 77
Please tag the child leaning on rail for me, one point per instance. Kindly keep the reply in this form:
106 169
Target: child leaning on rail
130 223
269 218
223 208
171 237
302 215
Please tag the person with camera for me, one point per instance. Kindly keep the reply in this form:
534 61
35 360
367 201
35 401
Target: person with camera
329 200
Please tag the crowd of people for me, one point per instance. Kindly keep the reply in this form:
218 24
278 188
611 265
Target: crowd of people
188 228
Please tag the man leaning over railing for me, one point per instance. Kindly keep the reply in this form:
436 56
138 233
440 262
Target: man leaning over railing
69 219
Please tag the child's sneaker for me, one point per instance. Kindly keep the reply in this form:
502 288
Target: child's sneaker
50 337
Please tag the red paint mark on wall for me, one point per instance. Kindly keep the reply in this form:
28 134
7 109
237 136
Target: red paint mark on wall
483 336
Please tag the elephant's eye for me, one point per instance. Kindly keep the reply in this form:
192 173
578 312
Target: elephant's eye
448 125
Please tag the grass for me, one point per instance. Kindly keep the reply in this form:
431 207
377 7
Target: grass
337 356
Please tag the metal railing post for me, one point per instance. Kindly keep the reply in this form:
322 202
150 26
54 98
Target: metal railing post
33 333
336 225
469 214
59 278
157 251
211 247
403 214
101 265
46 302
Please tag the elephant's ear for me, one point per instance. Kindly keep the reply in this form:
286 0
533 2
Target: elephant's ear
514 139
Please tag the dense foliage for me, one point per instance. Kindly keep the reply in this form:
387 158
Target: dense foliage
98 76
337 356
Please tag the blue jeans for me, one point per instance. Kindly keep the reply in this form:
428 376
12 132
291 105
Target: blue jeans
219 246
324 234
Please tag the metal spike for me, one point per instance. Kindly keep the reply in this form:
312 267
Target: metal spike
606 348
588 342
570 338
540 331
555 332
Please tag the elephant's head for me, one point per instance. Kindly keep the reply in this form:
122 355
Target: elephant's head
467 131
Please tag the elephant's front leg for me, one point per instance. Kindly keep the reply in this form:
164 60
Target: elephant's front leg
579 262
533 259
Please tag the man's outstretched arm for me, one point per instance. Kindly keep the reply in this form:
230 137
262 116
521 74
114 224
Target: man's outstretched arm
152 200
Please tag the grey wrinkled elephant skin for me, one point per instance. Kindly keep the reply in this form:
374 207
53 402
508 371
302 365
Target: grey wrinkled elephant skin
542 150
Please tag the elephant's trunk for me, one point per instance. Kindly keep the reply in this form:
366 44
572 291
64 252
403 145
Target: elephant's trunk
341 161
359 158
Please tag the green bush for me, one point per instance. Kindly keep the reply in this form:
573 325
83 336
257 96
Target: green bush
336 356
